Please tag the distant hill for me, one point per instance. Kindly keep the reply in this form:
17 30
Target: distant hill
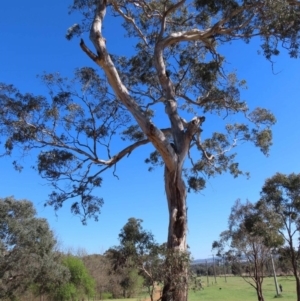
218 260
203 261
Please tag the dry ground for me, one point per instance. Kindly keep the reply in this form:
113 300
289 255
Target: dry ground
156 296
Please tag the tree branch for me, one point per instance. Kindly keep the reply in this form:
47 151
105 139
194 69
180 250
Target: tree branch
157 138
123 153
130 20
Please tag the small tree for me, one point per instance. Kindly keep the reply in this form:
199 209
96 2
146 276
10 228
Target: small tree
80 284
251 239
138 254
132 281
27 251
99 268
281 194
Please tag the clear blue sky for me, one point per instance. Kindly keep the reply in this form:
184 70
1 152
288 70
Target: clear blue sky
32 41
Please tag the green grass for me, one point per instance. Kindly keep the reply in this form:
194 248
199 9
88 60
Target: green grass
236 289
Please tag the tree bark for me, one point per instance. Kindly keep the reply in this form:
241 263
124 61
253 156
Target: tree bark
259 293
298 287
295 272
294 261
176 282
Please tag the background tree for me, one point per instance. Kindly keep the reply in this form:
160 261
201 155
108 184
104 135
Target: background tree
51 275
137 255
176 65
284 261
80 284
153 269
100 269
27 251
131 282
251 238
281 194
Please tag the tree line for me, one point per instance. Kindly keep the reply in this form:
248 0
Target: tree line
258 234
32 266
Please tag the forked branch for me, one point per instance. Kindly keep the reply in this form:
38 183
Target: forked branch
104 60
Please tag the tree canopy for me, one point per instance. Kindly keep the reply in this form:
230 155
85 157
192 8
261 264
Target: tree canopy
76 126
137 256
27 250
80 283
249 241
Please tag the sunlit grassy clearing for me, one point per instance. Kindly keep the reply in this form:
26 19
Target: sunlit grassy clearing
236 289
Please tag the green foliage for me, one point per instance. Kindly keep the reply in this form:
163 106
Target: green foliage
77 123
176 267
134 239
139 260
106 295
152 266
281 196
133 133
284 260
196 183
251 236
66 291
132 283
63 119
283 193
27 254
135 243
80 283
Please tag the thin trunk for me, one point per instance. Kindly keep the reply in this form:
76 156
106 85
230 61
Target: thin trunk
176 284
294 262
259 293
152 291
298 287
295 272
257 272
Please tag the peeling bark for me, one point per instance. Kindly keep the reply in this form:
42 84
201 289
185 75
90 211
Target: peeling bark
176 196
175 289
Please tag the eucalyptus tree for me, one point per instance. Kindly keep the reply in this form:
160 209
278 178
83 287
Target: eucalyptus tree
27 253
249 241
135 243
138 255
175 73
281 195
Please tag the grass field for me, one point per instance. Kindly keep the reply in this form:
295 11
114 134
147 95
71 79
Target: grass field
236 289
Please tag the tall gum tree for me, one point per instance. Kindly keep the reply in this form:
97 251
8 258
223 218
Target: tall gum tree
176 63
281 195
